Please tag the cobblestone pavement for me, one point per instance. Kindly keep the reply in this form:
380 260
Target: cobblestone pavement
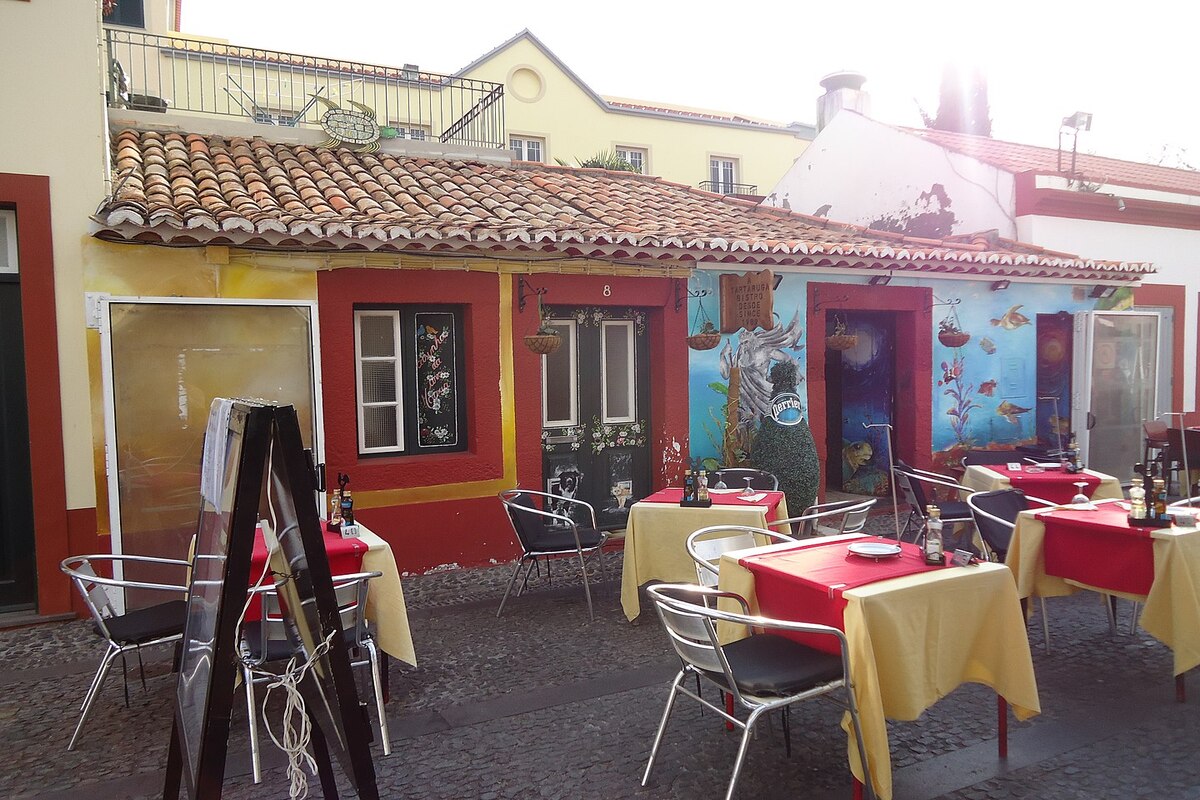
543 703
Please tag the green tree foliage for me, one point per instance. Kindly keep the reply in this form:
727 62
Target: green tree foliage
605 159
788 451
962 103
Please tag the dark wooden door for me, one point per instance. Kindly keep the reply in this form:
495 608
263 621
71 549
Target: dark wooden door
595 410
18 587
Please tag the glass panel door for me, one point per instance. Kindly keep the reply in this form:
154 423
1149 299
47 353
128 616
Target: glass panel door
1115 387
165 361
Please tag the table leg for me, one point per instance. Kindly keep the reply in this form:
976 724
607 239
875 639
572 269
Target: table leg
1180 689
384 678
1002 720
729 710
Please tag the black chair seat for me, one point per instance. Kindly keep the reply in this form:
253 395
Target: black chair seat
563 541
146 624
954 511
770 664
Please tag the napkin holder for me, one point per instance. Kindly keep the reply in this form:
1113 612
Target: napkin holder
1149 522
685 502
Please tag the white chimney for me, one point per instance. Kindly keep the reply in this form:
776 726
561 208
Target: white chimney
842 90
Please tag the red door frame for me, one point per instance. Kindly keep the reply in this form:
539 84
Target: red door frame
913 425
30 196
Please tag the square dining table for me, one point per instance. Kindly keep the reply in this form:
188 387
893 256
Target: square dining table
914 632
657 530
1052 484
1061 551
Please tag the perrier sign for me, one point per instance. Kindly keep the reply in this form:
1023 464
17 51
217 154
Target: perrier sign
747 301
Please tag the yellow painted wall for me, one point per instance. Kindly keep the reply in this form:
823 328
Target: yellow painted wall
53 102
575 126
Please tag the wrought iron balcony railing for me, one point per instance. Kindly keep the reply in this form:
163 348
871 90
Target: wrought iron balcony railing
148 72
721 187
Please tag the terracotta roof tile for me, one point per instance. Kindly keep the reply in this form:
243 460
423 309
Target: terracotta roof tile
1014 157
198 190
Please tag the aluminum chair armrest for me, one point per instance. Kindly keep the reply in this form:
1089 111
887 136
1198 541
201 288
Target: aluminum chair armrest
557 497
356 576
122 557
125 584
707 591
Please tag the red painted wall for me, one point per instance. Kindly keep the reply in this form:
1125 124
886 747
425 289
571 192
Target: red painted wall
1175 296
913 425
30 196
474 531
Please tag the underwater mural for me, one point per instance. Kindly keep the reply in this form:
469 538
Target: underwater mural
986 357
861 383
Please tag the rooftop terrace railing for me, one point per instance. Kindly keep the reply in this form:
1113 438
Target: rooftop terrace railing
149 72
723 187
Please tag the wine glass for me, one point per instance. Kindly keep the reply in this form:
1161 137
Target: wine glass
749 490
717 482
1081 497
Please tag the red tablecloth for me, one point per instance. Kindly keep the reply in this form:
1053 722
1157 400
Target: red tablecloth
1099 548
770 501
1054 485
807 583
345 558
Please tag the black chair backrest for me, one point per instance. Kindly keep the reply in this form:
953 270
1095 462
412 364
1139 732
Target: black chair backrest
1175 442
915 488
735 478
1005 504
986 457
529 527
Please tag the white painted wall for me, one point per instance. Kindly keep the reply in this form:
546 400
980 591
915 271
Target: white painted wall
864 170
53 101
1175 254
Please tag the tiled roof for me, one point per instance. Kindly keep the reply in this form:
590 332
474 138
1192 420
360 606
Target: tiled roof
1017 158
687 113
189 189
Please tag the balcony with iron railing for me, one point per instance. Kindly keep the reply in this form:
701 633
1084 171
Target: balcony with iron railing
722 187
149 72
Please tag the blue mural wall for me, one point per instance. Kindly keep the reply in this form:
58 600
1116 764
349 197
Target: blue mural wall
984 390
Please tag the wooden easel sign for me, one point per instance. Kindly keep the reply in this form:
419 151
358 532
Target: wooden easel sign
250 446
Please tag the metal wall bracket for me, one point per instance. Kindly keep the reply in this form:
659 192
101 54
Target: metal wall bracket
523 286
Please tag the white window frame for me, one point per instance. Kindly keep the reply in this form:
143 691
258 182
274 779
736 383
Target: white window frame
716 166
631 377
524 147
624 151
573 371
104 320
397 368
10 265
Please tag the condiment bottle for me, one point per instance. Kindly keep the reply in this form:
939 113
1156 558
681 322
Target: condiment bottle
1137 501
702 486
1160 499
933 535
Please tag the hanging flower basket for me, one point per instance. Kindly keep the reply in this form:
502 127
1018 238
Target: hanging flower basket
543 343
954 338
841 341
703 341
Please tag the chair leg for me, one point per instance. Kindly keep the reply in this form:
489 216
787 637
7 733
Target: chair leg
1110 611
741 756
1045 624
88 701
252 715
377 682
587 590
508 588
600 558
1134 618
662 726
141 668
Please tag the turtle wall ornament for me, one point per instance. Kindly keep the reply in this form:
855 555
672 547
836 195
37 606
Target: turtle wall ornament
347 128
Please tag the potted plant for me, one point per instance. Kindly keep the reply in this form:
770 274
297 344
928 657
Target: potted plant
706 338
950 333
839 339
545 340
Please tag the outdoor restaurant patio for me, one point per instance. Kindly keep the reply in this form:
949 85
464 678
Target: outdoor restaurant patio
541 702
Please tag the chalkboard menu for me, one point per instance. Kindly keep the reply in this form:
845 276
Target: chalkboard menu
250 447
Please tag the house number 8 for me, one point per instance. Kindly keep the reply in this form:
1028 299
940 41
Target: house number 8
607 290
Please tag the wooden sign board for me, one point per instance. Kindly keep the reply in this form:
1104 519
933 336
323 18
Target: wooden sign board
747 301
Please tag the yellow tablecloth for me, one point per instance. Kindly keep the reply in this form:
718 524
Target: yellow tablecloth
982 479
656 542
914 639
385 599
1171 612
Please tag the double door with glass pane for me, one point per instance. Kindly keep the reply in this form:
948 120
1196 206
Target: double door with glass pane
595 411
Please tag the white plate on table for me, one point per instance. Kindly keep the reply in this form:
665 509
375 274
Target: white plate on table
874 549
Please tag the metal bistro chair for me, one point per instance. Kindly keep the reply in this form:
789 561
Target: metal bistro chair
990 457
142 627
267 640
828 519
916 485
995 516
763 672
706 545
735 478
545 534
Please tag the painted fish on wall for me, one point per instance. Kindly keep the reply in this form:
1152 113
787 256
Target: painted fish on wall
1011 319
988 345
1010 411
988 387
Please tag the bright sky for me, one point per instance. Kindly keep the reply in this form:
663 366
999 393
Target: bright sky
1134 71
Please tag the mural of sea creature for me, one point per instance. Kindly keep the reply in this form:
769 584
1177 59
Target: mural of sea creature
1060 424
856 454
1010 411
756 351
1011 320
988 387
988 345
349 127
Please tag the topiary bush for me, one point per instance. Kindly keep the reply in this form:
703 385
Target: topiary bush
788 451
